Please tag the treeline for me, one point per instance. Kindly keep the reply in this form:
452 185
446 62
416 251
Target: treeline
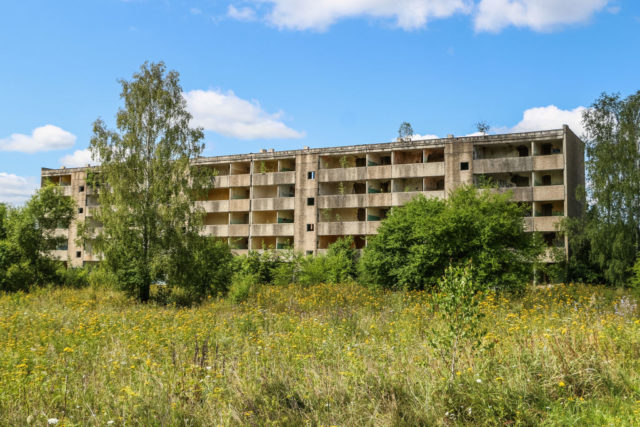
28 235
149 228
605 241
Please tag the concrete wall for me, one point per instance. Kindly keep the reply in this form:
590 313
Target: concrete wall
247 207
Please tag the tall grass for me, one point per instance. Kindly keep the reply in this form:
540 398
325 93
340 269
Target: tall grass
321 355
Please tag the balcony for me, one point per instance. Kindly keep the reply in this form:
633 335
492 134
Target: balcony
216 230
548 192
274 178
548 162
346 201
347 228
379 172
342 174
239 205
272 229
399 199
239 180
417 170
221 181
60 254
520 194
546 223
273 204
238 230
215 205
507 164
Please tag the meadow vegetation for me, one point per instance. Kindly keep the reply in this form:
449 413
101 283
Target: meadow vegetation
327 354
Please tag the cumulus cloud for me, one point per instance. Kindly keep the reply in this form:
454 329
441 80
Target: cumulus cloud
78 158
488 15
241 14
43 138
321 14
539 15
229 115
16 190
550 117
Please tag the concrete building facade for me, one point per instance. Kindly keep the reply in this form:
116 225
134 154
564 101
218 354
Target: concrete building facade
307 199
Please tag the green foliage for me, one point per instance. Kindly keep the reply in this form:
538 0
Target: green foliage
202 268
635 278
405 131
3 221
262 265
458 316
341 261
73 277
148 215
242 286
29 237
416 242
102 278
609 237
285 267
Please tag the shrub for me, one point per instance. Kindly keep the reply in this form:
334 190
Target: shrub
203 268
341 261
416 242
102 278
262 265
312 270
73 277
635 279
242 286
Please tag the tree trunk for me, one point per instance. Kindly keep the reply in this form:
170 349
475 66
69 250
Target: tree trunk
144 291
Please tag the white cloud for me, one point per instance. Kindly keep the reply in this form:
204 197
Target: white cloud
550 117
242 14
44 138
15 190
488 15
321 14
78 158
539 15
228 115
418 137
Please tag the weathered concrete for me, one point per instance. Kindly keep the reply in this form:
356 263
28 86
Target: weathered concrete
542 168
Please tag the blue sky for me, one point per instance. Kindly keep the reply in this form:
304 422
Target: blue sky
288 73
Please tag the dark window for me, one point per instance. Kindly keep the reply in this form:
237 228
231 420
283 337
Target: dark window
310 227
81 189
464 166
311 175
78 254
311 201
309 252
547 209
523 151
545 149
80 210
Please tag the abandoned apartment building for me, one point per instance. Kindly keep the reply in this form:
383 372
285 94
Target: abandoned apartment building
306 199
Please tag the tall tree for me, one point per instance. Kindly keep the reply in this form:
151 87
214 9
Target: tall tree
147 179
611 230
405 131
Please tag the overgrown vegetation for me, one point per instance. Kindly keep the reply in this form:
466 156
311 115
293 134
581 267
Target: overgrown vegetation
28 236
416 242
606 241
318 355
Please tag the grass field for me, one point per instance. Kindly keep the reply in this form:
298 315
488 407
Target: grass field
324 355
